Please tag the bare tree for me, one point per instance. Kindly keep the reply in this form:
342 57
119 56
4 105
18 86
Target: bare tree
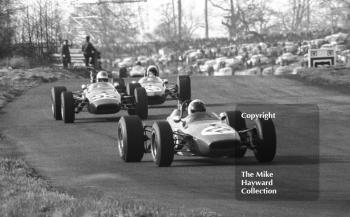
167 31
338 13
231 15
243 17
109 25
6 29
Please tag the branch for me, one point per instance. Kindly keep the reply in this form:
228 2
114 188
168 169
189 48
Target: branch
219 6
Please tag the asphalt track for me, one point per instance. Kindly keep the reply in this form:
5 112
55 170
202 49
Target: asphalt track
82 157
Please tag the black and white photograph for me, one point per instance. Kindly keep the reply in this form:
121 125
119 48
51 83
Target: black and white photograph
174 108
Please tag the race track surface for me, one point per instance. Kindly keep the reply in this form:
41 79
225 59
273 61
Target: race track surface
82 157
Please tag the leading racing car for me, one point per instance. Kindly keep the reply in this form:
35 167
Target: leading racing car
98 97
198 134
159 90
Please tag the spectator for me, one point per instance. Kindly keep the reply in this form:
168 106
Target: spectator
89 51
66 59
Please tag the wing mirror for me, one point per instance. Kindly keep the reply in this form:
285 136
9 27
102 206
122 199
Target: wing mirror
83 86
166 81
115 84
222 116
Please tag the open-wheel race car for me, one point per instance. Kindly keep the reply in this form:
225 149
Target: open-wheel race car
159 90
101 97
198 134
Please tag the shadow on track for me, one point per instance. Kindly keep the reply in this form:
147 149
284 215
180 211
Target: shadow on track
208 105
247 161
157 117
96 120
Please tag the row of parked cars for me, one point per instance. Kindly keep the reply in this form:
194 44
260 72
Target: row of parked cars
260 54
231 59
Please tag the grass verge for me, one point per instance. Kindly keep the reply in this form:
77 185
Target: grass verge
336 78
24 193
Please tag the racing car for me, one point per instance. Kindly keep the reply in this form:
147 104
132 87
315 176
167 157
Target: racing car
159 90
100 97
198 134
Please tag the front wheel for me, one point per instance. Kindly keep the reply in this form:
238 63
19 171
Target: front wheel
184 88
265 141
162 144
131 87
67 107
130 139
56 102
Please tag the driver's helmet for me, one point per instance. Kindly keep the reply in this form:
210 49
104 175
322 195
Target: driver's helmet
102 76
152 71
196 106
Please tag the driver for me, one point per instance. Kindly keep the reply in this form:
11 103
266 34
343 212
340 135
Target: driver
152 72
196 111
102 76
151 75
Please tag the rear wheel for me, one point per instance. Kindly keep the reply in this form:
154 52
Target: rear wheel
162 144
184 88
56 102
130 139
131 87
265 140
131 111
234 119
141 102
67 107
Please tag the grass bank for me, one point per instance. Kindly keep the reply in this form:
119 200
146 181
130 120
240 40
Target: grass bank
336 78
24 193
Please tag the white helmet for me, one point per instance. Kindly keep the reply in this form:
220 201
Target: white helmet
152 70
196 106
102 76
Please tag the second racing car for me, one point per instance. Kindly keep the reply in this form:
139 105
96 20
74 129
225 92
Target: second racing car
159 90
198 134
98 97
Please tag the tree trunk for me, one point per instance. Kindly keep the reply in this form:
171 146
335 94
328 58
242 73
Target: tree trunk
206 20
308 16
179 4
174 16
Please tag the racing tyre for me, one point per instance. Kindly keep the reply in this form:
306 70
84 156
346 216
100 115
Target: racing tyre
67 107
141 102
130 88
265 140
184 88
131 111
234 119
56 102
162 144
130 139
